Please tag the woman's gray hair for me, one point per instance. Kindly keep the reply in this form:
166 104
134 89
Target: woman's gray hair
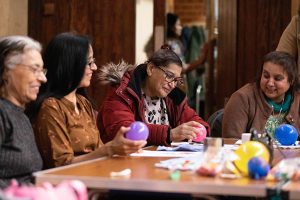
11 50
13 47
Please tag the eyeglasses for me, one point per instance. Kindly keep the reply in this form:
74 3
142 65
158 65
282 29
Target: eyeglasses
170 77
35 69
92 63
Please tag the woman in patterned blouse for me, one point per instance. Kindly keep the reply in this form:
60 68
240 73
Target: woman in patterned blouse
65 126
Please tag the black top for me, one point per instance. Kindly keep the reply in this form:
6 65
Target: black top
19 156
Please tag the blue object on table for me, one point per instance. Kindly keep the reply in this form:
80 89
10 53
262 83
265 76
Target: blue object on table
258 168
286 134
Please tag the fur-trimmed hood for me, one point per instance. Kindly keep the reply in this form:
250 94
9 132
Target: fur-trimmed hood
112 73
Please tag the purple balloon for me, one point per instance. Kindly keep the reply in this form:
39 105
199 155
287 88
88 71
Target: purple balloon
138 131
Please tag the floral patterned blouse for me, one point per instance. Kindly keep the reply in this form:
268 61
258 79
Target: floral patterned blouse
61 133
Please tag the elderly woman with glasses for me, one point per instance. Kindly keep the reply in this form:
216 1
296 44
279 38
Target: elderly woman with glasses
21 75
148 93
64 121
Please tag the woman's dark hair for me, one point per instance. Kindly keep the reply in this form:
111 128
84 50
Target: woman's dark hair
171 21
288 64
164 57
65 58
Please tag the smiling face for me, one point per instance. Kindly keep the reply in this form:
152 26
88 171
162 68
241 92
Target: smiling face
90 67
274 82
157 84
24 80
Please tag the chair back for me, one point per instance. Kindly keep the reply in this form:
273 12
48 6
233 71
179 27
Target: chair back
215 123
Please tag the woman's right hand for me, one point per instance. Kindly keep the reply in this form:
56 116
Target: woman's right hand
184 131
123 146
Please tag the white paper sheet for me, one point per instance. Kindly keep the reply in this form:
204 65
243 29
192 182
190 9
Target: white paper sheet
295 146
147 153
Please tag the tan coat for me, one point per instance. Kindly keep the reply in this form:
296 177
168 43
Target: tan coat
247 108
290 39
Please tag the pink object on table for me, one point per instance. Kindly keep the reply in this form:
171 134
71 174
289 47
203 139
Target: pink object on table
201 134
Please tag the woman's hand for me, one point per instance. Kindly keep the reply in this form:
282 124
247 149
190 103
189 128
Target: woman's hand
122 146
186 130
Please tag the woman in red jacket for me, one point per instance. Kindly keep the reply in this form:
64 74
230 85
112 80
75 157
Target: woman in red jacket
148 93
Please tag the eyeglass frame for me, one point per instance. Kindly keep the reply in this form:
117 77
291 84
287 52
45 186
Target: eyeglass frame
35 69
178 80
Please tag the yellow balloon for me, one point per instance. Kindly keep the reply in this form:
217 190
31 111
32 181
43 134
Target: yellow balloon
248 150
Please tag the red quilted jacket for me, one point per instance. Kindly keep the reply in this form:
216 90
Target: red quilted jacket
124 105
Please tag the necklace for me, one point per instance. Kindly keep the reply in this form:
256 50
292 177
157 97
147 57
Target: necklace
274 121
277 108
278 113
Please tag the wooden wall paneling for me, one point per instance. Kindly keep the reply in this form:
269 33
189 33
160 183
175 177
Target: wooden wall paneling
260 25
34 18
226 61
80 16
262 40
251 37
159 14
113 31
62 17
247 31
279 18
46 18
111 25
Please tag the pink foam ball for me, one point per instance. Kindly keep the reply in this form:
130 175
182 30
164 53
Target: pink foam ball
201 133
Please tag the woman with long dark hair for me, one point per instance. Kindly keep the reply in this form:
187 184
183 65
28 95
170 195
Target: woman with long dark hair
64 124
